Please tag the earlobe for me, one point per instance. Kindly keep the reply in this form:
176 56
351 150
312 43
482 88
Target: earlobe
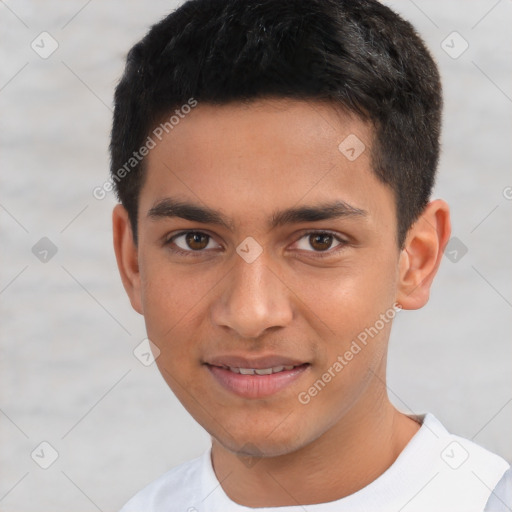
422 254
127 256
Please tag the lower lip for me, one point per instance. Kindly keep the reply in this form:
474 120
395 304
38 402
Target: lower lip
256 386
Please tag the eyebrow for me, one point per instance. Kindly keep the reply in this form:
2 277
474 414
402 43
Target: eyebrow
169 208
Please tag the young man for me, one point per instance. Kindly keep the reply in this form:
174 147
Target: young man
274 161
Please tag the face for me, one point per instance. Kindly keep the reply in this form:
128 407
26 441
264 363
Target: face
264 253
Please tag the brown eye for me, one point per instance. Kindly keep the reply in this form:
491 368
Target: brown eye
197 241
321 241
191 242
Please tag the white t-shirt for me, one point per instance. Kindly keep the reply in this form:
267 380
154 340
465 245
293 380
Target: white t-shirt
436 472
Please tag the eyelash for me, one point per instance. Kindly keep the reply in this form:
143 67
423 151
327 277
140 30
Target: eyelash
318 254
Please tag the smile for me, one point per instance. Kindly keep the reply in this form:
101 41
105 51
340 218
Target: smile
259 371
253 383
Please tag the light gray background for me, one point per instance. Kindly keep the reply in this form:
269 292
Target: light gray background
67 372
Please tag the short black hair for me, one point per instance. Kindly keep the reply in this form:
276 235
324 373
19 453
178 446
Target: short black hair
357 54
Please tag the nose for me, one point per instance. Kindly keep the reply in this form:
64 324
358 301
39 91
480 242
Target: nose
253 299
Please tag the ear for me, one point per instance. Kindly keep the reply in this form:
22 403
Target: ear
422 254
127 256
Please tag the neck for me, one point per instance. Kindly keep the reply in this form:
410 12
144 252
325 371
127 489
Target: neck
346 458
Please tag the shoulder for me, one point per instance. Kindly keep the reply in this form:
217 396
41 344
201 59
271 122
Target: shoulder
463 473
500 499
180 486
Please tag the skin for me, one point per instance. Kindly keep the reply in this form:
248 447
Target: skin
249 161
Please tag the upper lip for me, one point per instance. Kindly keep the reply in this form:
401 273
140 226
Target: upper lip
256 363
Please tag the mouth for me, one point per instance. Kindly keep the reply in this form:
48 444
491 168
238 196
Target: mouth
257 378
260 371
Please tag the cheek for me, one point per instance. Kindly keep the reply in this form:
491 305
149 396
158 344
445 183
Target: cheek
168 295
347 300
168 305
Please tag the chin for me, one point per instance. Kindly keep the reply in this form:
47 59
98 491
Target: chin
250 441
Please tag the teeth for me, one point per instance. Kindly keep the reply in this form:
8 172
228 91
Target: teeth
264 371
260 371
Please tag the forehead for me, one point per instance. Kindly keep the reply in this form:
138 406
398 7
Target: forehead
247 159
